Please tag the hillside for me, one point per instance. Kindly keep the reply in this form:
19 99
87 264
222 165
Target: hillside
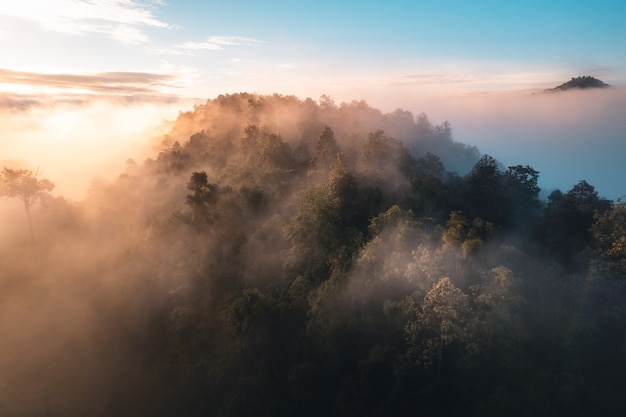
287 257
584 82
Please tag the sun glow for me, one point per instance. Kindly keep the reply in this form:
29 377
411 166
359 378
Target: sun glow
73 143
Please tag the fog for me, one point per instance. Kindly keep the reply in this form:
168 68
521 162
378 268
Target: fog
567 136
270 252
74 139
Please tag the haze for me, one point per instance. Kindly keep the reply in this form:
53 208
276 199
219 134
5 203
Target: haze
266 263
74 142
82 80
324 208
567 136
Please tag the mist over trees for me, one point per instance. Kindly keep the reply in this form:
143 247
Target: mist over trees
24 185
281 256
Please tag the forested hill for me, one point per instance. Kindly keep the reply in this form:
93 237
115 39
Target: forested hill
299 123
577 83
282 257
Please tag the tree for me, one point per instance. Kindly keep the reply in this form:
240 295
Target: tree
384 157
439 323
430 164
521 195
327 102
455 232
203 194
326 149
609 232
24 185
484 197
524 179
459 232
497 325
566 225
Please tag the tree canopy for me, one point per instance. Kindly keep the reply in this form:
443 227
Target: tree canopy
282 257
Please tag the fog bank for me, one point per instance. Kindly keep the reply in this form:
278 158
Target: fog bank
72 142
566 136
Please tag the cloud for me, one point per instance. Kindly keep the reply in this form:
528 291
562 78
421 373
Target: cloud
434 78
218 42
119 83
17 102
128 35
118 18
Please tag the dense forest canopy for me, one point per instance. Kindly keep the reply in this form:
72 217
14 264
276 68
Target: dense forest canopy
281 256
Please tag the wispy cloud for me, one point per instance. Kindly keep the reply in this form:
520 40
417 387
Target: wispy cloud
120 83
121 19
434 78
219 42
128 35
17 102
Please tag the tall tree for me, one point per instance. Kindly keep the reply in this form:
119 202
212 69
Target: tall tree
483 195
439 323
565 228
521 198
326 149
24 185
203 194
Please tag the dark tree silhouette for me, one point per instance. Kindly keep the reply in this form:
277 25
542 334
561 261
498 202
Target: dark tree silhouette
203 194
484 196
566 225
24 185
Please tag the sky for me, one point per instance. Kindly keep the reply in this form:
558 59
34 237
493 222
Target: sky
71 64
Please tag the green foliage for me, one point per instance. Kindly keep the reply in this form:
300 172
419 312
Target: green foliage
565 229
383 158
497 323
315 272
524 179
459 232
204 194
316 225
393 217
326 149
455 231
609 232
521 198
484 194
440 322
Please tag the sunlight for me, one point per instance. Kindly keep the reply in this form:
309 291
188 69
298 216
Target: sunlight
73 144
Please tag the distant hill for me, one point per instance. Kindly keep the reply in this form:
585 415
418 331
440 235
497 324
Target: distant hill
583 82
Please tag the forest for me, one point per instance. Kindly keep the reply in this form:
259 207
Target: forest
281 257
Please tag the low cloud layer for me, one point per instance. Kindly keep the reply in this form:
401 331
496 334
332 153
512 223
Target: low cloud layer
103 82
567 136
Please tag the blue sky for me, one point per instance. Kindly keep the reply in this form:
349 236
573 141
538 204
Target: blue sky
309 48
85 78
